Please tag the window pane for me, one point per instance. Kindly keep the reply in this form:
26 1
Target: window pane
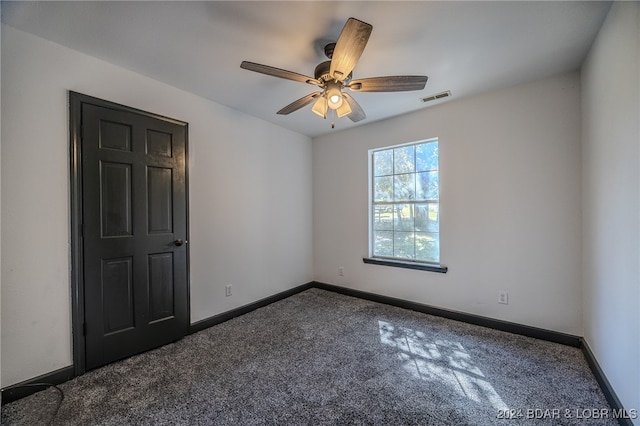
382 163
427 217
383 190
404 187
383 243
427 186
427 246
403 245
403 217
383 218
405 210
427 157
403 160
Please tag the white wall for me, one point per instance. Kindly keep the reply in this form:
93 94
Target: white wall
510 205
250 197
611 195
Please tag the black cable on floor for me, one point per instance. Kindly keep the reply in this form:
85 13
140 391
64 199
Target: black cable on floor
46 385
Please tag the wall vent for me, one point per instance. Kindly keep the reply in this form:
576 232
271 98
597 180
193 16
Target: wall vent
437 96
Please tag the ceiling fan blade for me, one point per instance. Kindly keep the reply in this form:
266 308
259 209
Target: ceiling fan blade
349 47
296 105
277 72
395 83
357 112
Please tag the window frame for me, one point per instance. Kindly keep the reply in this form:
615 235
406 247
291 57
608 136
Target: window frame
391 260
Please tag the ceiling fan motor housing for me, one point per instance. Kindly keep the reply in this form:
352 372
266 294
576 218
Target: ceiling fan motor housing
322 71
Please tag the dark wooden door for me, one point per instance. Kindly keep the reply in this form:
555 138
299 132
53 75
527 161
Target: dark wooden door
134 232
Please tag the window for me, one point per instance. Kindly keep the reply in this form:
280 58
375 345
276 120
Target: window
405 207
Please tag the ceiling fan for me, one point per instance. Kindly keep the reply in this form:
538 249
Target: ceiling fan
334 75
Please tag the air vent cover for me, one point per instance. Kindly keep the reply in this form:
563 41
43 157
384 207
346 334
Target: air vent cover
437 96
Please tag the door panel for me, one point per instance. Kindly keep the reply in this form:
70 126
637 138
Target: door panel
160 194
134 208
115 199
159 143
160 286
117 289
115 135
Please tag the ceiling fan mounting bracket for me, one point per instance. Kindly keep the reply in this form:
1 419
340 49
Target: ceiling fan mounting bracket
328 50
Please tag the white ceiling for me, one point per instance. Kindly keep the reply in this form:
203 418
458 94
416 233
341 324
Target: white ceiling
464 47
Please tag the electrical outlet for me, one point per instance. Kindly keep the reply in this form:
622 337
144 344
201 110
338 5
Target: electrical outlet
227 290
341 271
503 297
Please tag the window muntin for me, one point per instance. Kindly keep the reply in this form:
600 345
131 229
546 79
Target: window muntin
405 202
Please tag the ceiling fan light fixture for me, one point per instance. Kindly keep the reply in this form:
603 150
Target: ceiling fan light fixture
344 109
320 106
334 95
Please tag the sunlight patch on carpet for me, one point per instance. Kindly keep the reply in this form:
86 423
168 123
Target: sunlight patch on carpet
443 361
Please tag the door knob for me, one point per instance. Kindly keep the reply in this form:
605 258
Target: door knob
179 242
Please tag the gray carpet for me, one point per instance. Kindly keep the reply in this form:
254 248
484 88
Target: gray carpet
321 358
